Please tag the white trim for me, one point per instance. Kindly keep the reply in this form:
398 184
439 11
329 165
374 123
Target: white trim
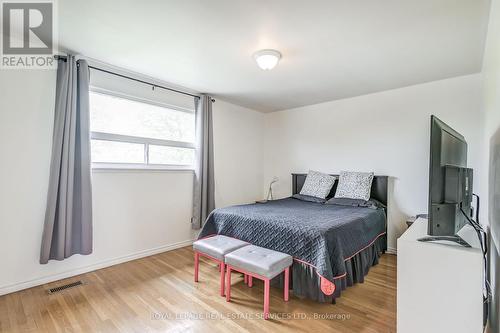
121 95
140 167
392 250
141 140
7 289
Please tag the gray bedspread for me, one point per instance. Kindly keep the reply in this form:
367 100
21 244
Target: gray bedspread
321 235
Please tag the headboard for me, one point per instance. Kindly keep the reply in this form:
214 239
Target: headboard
379 186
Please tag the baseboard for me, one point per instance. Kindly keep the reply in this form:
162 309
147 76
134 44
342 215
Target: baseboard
392 250
7 289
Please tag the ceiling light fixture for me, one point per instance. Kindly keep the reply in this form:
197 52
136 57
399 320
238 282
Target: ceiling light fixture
267 59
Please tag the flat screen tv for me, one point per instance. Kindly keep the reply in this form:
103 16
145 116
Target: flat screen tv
450 184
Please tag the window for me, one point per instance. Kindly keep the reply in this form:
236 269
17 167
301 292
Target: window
128 132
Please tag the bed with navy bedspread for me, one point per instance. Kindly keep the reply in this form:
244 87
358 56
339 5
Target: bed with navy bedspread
322 238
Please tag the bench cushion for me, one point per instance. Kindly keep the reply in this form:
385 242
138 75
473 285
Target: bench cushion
259 260
218 246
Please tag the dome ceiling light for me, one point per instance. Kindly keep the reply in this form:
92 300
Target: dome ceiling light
267 59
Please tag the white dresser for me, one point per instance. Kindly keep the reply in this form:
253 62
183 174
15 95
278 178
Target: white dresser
439 285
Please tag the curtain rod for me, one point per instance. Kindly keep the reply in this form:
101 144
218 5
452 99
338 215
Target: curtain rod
63 58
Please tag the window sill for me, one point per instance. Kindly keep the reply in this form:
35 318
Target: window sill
110 167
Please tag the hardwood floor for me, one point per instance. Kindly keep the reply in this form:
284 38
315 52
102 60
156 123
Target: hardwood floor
157 294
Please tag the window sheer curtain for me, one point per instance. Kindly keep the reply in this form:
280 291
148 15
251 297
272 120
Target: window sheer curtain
68 217
204 183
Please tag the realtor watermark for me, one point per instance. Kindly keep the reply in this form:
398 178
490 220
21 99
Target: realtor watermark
249 316
28 34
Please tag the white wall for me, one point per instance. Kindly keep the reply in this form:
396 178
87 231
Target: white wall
238 141
386 132
135 212
491 85
491 98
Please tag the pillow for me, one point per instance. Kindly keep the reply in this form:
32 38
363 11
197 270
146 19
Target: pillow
346 202
372 203
308 198
354 185
317 184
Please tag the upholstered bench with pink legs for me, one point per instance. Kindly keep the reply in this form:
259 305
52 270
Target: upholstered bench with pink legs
261 263
215 248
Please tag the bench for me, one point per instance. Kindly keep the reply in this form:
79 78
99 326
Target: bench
261 263
215 248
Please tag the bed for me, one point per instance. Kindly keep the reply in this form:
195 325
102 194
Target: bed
333 246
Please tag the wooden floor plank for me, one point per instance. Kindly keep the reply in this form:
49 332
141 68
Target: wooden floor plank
157 294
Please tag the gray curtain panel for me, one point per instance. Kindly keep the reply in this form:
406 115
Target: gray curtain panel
68 217
204 183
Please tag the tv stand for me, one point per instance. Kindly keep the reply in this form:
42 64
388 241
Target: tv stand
457 239
440 284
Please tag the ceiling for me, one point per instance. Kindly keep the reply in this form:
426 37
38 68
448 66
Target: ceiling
331 49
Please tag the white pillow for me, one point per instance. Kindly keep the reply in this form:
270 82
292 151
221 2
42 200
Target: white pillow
317 184
354 185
